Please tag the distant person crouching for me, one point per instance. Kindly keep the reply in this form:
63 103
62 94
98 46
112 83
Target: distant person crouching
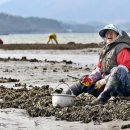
1 42
52 37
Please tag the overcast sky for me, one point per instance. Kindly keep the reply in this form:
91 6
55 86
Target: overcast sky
112 11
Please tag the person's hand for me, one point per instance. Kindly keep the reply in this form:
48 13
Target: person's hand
86 81
100 84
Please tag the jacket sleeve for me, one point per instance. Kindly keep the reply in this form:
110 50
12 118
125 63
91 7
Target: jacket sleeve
123 58
96 74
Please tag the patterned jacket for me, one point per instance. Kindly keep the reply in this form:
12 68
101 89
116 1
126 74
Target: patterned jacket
114 54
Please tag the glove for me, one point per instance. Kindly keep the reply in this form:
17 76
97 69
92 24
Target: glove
100 84
86 81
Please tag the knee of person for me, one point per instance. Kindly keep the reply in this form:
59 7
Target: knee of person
118 70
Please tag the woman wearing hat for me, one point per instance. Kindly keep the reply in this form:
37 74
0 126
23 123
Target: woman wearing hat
111 76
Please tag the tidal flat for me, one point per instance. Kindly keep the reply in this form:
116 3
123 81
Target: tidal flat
25 98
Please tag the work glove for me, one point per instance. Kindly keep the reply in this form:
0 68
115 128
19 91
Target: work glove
100 84
86 81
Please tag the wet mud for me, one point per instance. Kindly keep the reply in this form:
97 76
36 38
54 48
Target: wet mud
37 99
68 46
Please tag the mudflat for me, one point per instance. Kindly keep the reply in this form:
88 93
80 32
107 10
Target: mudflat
68 46
26 102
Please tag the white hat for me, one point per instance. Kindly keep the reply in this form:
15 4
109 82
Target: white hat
109 27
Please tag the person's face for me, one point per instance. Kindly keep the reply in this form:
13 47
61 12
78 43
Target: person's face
110 36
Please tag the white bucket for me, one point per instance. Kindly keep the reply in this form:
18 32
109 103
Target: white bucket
62 100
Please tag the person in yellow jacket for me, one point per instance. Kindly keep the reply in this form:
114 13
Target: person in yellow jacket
52 37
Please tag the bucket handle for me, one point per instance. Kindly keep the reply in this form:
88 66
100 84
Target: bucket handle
65 84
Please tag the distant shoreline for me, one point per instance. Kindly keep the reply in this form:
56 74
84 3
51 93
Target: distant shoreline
68 46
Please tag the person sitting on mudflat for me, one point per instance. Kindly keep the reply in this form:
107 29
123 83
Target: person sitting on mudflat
112 75
52 37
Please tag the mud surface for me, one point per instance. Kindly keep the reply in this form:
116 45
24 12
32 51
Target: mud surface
37 100
69 46
26 84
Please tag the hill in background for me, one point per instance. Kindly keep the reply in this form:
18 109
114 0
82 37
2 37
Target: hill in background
10 24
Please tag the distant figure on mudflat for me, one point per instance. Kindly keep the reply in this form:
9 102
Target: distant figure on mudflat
1 42
52 37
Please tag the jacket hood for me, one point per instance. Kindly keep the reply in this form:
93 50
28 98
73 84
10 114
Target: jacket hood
110 27
123 38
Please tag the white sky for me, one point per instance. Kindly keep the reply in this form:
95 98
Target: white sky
70 10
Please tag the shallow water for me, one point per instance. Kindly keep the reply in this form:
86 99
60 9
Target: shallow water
77 56
42 38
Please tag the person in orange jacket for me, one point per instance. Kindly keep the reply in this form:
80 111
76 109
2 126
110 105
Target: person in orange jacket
52 37
112 75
